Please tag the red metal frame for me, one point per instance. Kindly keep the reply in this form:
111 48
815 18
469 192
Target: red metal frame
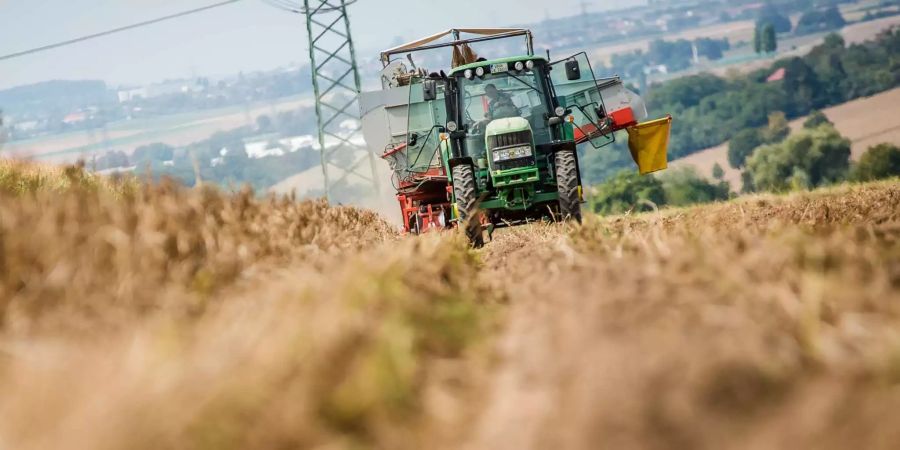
621 120
425 202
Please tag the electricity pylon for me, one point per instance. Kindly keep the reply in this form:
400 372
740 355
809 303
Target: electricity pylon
336 85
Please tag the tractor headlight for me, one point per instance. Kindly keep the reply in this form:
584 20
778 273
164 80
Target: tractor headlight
560 111
468 74
520 66
512 153
479 71
529 64
452 126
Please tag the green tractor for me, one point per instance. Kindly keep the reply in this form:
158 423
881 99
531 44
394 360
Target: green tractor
493 143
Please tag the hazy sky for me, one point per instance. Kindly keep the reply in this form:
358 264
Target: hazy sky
246 36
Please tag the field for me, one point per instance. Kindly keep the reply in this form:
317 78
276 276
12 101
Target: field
740 58
863 121
157 317
734 31
176 130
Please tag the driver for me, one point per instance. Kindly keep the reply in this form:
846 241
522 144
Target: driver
500 106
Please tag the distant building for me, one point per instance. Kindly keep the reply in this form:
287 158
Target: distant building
28 125
778 75
127 95
75 117
160 89
661 68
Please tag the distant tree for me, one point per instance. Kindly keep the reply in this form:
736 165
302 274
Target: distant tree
712 49
153 152
112 160
769 39
229 141
809 158
684 187
834 41
816 119
742 145
675 55
827 61
802 87
598 167
820 20
768 14
777 130
878 162
717 172
264 123
628 191
747 186
757 40
685 92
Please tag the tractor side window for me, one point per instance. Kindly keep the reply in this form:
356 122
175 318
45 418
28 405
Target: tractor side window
582 96
422 137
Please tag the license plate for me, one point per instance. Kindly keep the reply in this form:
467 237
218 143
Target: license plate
499 68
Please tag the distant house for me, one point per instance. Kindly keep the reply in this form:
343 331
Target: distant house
662 69
75 117
127 95
778 75
28 125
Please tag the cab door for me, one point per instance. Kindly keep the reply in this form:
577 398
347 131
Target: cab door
576 88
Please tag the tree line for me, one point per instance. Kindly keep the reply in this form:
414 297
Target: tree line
710 110
816 156
754 114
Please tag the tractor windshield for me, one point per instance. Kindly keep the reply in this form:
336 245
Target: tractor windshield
505 94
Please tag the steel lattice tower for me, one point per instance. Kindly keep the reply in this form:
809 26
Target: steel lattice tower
336 85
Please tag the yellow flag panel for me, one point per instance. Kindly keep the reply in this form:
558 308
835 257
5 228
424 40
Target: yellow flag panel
649 144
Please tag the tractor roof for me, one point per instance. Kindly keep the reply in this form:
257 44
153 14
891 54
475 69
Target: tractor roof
458 41
510 59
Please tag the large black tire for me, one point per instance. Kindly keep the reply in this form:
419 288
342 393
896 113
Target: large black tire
567 184
466 193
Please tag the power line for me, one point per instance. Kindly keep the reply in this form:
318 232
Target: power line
285 5
296 8
118 30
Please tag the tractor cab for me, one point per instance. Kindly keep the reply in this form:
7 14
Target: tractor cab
502 104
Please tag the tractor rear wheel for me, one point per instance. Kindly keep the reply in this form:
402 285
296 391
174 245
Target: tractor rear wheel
464 189
567 185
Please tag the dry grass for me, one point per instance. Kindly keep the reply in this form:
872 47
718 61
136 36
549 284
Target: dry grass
22 177
337 355
76 246
763 323
175 318
195 319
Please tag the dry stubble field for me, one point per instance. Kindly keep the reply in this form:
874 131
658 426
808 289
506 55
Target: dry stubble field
157 317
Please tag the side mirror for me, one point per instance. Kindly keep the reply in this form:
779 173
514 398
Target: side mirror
573 70
412 140
553 121
429 90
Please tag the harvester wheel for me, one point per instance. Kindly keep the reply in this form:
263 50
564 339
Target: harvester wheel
567 184
464 190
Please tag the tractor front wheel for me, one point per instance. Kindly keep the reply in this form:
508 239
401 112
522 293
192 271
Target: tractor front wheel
464 189
567 185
